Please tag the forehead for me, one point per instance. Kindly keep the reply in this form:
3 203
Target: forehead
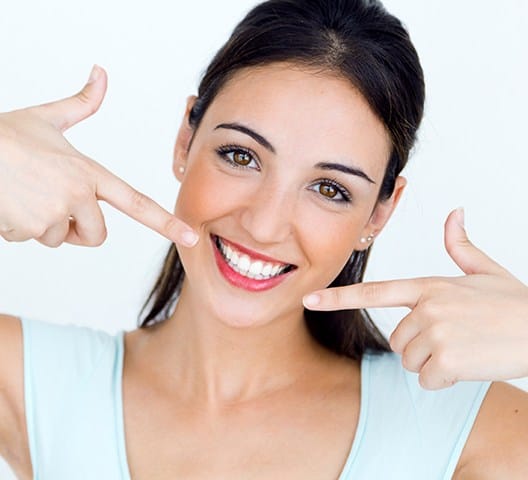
305 111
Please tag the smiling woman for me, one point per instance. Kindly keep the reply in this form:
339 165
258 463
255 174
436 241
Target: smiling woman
289 159
278 199
366 91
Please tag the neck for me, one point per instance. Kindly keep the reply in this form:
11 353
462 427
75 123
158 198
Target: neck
213 364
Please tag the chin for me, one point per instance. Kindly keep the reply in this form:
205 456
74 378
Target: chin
240 314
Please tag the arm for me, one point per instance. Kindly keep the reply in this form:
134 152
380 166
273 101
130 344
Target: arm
497 447
13 437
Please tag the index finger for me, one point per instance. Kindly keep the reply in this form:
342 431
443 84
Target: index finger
142 208
390 293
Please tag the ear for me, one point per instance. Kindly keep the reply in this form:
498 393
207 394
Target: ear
381 214
183 140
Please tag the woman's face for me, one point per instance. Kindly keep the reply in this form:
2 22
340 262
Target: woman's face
282 175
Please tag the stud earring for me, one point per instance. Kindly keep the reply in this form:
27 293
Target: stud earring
181 169
368 239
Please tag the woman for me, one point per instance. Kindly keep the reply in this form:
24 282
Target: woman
289 162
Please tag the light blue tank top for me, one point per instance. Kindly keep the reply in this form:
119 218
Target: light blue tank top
74 411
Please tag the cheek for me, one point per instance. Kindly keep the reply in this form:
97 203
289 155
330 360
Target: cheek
329 240
200 197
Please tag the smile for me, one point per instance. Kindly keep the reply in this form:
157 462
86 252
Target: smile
246 269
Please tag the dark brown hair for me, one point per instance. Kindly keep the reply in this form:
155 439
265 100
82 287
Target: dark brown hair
359 41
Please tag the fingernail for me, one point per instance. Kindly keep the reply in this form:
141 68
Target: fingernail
460 217
311 300
94 74
189 239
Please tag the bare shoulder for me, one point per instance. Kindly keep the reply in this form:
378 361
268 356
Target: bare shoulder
496 447
12 415
11 361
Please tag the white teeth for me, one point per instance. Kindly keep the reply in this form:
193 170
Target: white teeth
266 270
256 268
242 264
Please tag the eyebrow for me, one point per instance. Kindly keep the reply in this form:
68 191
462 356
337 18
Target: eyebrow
268 146
254 135
345 169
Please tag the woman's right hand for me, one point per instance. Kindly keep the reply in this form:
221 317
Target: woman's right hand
49 191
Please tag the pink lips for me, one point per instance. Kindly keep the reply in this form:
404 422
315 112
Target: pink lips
237 280
251 253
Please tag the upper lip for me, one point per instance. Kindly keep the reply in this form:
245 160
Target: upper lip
252 253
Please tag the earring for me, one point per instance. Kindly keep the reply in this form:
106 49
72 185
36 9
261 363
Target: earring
181 169
368 239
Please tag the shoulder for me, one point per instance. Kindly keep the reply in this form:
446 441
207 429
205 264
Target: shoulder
12 421
30 349
41 362
11 363
435 423
496 447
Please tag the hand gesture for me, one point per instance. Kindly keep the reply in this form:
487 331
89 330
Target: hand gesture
473 327
49 191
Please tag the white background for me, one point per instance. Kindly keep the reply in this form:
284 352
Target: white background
471 152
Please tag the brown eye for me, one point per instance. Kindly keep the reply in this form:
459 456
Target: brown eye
238 157
327 190
242 158
331 191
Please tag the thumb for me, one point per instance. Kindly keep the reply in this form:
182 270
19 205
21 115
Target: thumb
468 257
67 112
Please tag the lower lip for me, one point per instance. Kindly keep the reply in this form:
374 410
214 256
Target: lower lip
234 278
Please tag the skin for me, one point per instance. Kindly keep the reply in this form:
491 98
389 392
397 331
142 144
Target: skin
452 320
230 361
271 210
231 357
49 191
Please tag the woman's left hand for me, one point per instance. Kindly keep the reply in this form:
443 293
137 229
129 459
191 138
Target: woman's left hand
473 327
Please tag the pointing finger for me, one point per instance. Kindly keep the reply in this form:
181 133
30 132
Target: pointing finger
140 207
392 293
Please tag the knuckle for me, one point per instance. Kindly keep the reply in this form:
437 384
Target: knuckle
439 285
139 202
57 211
405 360
437 333
443 361
38 229
371 291
337 295
429 311
86 102
394 342
171 226
98 240
80 192
16 235
425 382
51 243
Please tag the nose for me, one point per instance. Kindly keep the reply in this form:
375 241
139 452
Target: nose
269 214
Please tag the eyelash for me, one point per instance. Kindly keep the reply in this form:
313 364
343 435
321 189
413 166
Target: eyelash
345 195
224 150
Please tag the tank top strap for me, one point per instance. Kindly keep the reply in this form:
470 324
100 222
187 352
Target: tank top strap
410 432
70 379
